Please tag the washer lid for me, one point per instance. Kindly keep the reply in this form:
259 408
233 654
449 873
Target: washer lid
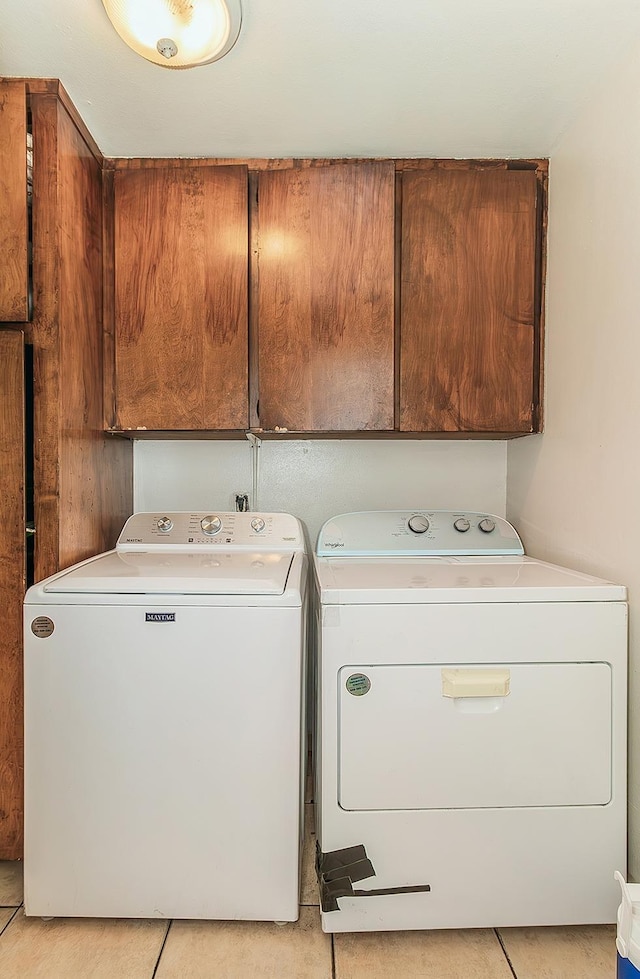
163 573
421 580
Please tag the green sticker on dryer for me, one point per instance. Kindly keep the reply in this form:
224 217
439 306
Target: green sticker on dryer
358 684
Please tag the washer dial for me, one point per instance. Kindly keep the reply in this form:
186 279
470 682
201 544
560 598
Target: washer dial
418 523
211 525
487 525
462 525
258 525
164 525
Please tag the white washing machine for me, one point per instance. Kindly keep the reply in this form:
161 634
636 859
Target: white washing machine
471 742
164 723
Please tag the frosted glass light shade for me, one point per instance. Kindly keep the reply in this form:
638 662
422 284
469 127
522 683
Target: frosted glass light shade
177 33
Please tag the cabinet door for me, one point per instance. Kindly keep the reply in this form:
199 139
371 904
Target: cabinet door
325 260
181 298
467 328
13 203
12 588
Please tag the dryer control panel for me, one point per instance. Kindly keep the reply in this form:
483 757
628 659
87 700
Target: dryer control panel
388 533
195 530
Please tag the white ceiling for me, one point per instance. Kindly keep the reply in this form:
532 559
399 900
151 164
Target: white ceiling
432 78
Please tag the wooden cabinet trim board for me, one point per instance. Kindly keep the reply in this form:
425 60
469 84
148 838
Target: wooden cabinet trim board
542 218
253 332
397 305
208 435
53 86
540 165
108 302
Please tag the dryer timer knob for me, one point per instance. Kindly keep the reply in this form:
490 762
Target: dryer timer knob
418 523
487 525
462 525
211 525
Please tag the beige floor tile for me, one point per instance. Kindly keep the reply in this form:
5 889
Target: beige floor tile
421 954
247 950
6 914
10 883
587 952
80 948
309 884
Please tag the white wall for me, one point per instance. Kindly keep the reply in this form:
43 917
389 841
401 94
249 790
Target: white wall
316 480
574 492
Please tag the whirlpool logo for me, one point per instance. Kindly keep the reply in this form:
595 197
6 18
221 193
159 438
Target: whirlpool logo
334 543
160 617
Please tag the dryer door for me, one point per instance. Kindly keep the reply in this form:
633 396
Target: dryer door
458 736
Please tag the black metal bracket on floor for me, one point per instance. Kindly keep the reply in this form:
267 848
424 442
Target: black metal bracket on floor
337 870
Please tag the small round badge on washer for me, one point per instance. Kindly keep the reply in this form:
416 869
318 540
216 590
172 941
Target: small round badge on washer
42 626
358 684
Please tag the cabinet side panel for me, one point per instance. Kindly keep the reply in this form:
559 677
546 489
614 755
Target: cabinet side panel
326 316
13 203
43 333
468 294
181 281
12 588
94 472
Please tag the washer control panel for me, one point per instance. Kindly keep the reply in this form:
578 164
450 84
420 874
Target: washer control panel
419 532
192 531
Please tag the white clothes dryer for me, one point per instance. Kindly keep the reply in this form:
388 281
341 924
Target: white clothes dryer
164 723
471 738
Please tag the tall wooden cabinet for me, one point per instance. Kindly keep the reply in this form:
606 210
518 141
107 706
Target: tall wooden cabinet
468 322
82 478
179 331
12 586
83 483
324 275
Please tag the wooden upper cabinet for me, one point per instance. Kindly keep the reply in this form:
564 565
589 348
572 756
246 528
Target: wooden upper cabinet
325 297
181 298
14 235
468 329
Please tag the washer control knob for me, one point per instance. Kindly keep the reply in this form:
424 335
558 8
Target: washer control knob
462 525
164 525
487 525
418 523
258 525
211 525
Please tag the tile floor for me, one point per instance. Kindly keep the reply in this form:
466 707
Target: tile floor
71 948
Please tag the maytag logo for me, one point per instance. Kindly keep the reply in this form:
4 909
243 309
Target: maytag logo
159 616
334 543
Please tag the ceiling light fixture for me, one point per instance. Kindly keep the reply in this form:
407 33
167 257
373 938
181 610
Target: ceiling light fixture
177 33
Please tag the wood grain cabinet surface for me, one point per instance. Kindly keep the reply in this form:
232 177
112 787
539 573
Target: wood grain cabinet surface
325 288
468 326
181 298
82 478
14 301
12 587
326 296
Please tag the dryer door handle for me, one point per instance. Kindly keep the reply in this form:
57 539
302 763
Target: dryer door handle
475 682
